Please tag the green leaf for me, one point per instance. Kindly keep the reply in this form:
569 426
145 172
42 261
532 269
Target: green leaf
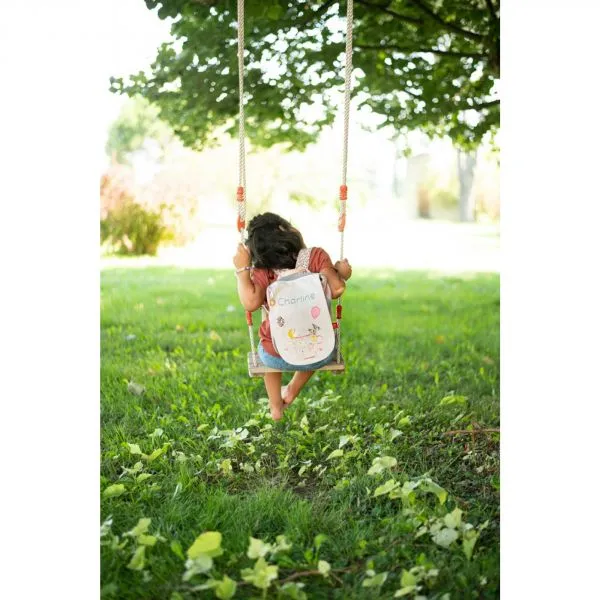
434 488
225 466
319 539
142 527
394 433
293 590
135 388
207 543
344 439
324 567
335 454
143 476
201 564
177 549
158 452
382 463
261 575
282 544
453 400
469 540
146 540
453 519
225 589
117 489
445 537
386 488
304 424
405 591
134 449
376 581
138 560
258 548
408 579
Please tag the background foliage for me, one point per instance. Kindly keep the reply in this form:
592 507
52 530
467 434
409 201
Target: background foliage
423 64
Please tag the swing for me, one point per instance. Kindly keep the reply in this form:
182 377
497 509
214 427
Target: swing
255 366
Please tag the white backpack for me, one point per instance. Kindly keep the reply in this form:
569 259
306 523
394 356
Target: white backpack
299 314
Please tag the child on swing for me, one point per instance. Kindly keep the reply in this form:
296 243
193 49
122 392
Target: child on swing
273 243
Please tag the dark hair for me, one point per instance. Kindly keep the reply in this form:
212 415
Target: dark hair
273 242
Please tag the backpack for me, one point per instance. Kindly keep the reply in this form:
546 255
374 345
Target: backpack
299 314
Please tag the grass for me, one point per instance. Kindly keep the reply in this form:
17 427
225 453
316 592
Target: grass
195 450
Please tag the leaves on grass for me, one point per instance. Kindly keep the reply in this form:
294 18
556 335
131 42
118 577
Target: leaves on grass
381 463
447 400
135 388
117 489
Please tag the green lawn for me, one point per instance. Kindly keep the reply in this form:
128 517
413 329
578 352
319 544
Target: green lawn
195 450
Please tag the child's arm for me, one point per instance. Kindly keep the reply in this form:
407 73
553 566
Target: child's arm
337 276
251 295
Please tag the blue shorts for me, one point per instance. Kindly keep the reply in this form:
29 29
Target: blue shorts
276 362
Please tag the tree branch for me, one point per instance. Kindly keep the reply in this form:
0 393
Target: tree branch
485 104
317 13
450 26
492 9
387 11
420 50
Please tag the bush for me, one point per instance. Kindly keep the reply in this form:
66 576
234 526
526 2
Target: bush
132 229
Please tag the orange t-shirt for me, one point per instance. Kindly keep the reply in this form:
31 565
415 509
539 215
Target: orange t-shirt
319 260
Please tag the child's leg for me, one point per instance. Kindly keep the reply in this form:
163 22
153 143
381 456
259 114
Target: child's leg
273 385
294 387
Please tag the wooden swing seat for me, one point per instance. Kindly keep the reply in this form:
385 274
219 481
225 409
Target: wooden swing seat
259 370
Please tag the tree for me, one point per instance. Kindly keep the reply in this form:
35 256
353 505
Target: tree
417 63
137 123
466 162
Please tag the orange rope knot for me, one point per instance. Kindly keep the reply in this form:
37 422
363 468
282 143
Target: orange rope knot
339 311
249 317
240 194
343 192
241 224
342 222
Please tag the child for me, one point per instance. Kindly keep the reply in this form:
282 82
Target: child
273 243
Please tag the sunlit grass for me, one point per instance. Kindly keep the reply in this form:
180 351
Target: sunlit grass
423 359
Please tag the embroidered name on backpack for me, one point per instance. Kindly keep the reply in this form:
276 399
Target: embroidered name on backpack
298 300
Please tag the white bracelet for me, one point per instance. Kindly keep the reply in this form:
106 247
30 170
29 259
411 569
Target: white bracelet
242 269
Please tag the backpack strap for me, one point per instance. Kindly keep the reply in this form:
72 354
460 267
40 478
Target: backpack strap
303 259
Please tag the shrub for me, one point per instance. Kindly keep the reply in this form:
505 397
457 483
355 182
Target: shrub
132 229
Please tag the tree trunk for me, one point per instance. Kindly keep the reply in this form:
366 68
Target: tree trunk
466 169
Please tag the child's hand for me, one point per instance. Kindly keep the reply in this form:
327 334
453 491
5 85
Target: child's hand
343 268
242 257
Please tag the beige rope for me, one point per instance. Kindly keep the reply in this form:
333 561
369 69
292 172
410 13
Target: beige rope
347 96
242 154
242 118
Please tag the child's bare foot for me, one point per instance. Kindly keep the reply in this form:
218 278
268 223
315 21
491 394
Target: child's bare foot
277 413
288 395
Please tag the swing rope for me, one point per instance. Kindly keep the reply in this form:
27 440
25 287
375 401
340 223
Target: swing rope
241 190
344 186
